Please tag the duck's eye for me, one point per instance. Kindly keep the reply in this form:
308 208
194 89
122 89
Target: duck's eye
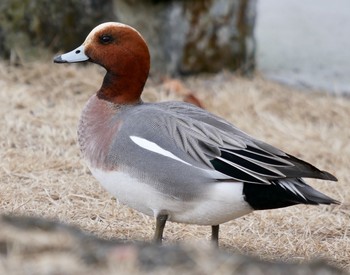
105 39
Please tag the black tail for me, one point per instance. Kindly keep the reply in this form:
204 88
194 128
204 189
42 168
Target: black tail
283 193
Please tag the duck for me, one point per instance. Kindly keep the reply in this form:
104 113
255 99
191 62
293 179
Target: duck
175 161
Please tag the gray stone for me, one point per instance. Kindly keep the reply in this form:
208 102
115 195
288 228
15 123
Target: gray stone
185 37
48 247
193 36
27 27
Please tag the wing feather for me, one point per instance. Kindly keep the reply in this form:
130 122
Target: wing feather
217 144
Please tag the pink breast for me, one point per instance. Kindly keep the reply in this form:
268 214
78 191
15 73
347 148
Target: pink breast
97 128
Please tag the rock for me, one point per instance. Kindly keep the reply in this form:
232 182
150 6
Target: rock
30 245
185 37
193 36
28 27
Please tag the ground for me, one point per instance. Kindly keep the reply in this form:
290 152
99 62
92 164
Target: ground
42 174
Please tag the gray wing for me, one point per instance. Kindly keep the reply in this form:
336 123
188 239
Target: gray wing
217 144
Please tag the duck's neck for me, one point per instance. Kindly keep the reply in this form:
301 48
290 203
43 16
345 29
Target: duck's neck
120 89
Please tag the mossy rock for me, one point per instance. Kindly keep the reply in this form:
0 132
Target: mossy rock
28 28
194 36
185 37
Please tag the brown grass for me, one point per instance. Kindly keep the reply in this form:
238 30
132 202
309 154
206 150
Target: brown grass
41 173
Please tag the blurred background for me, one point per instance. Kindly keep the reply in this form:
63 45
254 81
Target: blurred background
305 43
302 43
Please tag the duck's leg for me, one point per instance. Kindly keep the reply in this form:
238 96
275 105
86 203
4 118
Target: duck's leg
160 224
215 234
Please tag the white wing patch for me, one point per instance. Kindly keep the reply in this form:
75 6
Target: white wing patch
153 147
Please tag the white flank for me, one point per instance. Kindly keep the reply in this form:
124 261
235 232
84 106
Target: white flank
218 202
153 147
129 190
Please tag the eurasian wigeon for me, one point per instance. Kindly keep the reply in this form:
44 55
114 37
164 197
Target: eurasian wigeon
173 160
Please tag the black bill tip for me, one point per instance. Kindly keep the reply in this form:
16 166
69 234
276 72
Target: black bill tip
58 59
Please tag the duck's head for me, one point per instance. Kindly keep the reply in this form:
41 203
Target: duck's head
122 51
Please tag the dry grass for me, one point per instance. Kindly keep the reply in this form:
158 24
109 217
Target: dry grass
41 173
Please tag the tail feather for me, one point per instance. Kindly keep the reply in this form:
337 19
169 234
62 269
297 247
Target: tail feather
283 193
311 195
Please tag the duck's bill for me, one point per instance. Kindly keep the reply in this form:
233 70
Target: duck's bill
77 55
